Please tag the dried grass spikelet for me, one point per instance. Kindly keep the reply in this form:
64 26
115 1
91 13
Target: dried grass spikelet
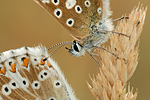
110 82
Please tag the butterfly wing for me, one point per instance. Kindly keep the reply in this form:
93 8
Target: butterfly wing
24 76
77 16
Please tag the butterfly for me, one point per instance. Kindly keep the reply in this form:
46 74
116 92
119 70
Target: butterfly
25 76
87 21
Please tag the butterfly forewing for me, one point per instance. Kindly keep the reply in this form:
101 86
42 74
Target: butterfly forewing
25 76
77 16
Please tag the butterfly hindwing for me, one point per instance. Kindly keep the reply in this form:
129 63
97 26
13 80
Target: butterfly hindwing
25 76
12 86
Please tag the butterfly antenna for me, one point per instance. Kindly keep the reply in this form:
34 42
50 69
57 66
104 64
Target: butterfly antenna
61 45
58 44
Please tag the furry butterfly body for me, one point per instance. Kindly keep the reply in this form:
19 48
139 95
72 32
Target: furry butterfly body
87 21
24 76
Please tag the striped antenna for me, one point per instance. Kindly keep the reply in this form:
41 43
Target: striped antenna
61 45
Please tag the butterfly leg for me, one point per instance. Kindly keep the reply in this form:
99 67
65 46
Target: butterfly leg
93 54
107 51
93 58
120 33
102 30
120 18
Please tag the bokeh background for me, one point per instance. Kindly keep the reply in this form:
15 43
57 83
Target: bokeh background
24 23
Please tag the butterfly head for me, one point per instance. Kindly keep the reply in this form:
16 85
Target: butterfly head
76 50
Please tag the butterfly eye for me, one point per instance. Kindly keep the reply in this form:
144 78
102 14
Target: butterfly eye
6 89
58 13
87 3
55 2
52 98
78 9
99 10
70 22
76 47
45 1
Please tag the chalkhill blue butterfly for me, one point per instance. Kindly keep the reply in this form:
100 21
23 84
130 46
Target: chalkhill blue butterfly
87 21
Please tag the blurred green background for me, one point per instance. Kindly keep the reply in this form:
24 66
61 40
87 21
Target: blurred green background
24 23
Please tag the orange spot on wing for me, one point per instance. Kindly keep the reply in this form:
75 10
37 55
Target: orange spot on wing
13 68
2 71
49 64
25 62
37 65
42 62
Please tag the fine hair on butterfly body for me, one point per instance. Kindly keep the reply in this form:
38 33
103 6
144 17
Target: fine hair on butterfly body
25 76
87 21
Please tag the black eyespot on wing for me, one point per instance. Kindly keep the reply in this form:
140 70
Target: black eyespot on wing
24 82
35 59
78 8
137 23
23 58
6 89
70 22
10 63
87 3
36 84
52 98
58 13
45 73
41 76
55 1
14 84
57 84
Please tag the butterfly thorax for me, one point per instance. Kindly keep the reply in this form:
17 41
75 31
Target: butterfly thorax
98 35
94 40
